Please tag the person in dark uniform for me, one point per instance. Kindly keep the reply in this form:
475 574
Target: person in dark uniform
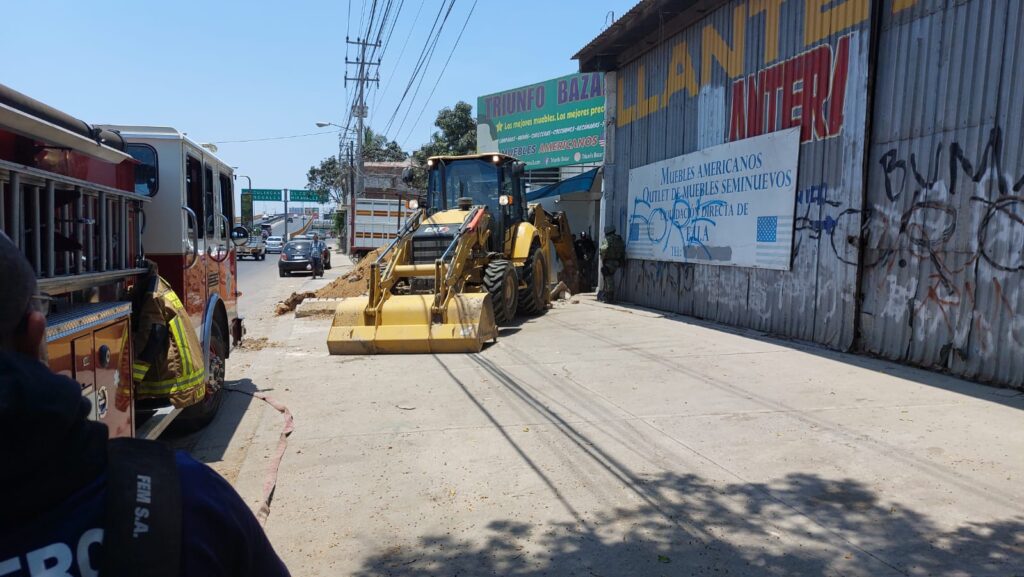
586 253
613 256
56 469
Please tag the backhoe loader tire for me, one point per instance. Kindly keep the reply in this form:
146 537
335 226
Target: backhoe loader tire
532 297
501 283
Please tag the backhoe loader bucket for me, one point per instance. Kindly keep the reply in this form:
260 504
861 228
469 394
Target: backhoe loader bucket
405 326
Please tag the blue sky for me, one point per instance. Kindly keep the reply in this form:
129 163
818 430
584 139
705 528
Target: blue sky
227 70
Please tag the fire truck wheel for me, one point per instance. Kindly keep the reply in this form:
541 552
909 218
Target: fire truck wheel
199 415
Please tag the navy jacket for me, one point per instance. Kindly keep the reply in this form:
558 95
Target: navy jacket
54 482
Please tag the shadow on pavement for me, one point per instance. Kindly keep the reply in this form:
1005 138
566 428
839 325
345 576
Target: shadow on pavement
853 532
208 444
682 524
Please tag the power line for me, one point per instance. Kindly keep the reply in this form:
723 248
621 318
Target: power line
443 69
401 52
422 62
276 137
423 75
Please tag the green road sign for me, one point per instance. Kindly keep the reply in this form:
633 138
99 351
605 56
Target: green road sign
265 194
303 196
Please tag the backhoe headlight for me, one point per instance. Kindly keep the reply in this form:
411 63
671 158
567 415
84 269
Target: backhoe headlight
505 199
413 204
495 159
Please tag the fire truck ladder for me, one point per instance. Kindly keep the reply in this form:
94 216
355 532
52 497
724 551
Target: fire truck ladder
76 234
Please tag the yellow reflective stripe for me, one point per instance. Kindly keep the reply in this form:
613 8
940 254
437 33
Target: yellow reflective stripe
172 385
173 297
187 366
139 370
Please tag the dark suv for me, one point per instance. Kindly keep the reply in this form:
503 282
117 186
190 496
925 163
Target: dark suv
295 257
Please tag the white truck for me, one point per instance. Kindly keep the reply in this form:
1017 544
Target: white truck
375 223
255 249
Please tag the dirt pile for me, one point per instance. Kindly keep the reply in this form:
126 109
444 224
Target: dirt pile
289 304
354 283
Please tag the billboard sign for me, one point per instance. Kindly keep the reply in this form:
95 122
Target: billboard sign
729 205
247 216
554 123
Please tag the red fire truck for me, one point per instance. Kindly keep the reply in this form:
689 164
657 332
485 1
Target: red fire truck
87 205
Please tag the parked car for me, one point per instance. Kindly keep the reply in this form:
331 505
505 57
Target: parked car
274 244
295 257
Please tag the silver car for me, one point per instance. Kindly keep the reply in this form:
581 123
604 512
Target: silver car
274 244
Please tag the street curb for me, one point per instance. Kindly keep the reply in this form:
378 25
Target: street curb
316 307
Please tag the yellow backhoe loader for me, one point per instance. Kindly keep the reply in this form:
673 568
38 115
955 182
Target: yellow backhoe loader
464 264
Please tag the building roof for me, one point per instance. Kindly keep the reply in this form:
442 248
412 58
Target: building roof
389 164
640 30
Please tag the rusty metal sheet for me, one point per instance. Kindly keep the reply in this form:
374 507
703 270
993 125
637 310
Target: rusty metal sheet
944 256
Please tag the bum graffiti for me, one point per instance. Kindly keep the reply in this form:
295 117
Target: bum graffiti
958 220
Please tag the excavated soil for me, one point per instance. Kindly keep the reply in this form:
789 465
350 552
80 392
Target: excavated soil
354 283
291 302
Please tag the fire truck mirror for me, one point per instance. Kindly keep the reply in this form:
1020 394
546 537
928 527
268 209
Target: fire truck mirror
240 236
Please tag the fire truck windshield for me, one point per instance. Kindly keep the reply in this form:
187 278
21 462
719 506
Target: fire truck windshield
147 180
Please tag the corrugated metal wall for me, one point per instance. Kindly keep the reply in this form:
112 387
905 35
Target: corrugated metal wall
816 299
944 259
940 220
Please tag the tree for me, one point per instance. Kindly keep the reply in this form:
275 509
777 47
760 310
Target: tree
457 136
377 148
329 180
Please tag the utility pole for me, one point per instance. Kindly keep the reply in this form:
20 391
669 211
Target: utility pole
359 110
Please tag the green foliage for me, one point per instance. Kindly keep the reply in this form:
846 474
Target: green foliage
329 180
457 136
377 148
339 224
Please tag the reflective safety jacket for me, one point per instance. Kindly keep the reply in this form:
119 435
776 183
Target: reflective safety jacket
175 369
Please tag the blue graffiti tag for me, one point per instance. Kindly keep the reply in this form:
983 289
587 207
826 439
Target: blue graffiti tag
684 219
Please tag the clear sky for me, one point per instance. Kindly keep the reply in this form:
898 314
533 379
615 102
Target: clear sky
229 70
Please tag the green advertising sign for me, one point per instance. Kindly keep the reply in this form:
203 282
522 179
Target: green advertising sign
303 196
247 216
264 194
554 123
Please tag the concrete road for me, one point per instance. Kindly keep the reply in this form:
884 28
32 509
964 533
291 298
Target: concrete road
607 440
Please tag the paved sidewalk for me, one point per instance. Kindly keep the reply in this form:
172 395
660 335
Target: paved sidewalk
604 440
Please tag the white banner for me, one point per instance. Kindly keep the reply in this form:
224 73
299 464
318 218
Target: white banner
729 205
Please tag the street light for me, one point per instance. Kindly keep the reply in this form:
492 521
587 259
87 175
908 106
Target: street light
341 140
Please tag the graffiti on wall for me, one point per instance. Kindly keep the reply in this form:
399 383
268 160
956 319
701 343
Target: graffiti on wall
959 218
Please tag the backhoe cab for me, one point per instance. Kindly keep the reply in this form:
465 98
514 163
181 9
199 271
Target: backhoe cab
467 262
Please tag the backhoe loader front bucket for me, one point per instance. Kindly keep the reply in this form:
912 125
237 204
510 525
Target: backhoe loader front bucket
405 326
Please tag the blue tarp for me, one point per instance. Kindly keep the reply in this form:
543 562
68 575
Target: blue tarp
579 183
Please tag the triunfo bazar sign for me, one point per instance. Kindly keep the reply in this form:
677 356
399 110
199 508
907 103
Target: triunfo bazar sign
730 204
554 123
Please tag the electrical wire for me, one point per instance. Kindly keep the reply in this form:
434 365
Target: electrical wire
423 75
422 62
276 137
441 75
